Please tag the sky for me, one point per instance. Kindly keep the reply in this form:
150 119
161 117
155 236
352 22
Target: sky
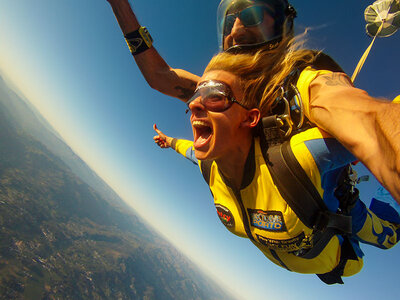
70 60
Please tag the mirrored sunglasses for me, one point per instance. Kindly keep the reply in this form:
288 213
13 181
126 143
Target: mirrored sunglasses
249 17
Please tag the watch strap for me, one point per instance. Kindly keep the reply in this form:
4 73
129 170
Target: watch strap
139 40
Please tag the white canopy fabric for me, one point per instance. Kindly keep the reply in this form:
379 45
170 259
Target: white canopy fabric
385 14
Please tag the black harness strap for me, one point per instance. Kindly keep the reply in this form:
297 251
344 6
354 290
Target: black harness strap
335 276
303 198
290 185
205 166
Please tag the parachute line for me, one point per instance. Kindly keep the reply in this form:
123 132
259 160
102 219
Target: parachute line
361 62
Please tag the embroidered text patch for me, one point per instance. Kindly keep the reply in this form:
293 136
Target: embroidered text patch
267 220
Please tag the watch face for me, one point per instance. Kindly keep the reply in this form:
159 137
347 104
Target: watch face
146 36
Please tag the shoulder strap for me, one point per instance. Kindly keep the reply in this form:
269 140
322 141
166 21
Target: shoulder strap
303 198
287 115
284 168
205 167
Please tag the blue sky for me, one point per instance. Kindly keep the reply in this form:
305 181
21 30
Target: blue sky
69 58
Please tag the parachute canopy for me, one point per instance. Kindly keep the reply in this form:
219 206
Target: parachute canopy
383 19
385 13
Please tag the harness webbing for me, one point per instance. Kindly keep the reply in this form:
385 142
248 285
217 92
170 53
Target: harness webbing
303 198
205 167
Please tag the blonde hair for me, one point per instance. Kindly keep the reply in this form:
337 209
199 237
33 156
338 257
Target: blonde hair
262 73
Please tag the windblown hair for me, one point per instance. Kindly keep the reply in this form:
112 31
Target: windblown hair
262 73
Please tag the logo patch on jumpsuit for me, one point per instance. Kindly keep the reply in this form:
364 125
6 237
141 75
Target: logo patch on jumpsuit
267 220
225 215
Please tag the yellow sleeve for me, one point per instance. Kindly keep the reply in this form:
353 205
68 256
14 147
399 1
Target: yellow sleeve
182 146
185 148
303 84
397 99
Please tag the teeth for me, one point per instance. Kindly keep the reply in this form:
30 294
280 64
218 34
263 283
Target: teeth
199 123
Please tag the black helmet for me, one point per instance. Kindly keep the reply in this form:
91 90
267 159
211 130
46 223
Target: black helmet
252 12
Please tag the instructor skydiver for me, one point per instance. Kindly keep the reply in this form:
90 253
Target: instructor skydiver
258 24
374 137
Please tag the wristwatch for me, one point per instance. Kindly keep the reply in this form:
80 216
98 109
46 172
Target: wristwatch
139 40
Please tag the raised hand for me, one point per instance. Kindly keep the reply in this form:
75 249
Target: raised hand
161 139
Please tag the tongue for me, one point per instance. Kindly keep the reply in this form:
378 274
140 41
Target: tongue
202 139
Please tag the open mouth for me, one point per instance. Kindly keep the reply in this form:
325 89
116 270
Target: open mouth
202 133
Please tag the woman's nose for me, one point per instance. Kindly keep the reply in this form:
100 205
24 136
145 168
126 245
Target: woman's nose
196 106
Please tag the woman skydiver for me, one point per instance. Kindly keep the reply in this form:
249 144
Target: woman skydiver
233 94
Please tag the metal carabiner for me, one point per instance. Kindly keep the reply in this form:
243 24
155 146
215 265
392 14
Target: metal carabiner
285 117
297 106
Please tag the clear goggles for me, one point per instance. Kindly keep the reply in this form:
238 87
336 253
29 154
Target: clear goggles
215 96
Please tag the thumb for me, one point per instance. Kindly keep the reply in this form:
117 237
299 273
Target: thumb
158 131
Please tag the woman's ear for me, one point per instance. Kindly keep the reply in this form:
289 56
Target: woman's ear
253 117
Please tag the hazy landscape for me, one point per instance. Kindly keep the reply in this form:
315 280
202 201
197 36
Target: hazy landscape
64 234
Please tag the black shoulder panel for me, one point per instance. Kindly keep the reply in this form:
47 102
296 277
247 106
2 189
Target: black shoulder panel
325 62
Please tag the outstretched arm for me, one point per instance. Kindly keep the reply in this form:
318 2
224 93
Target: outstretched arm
158 74
368 127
